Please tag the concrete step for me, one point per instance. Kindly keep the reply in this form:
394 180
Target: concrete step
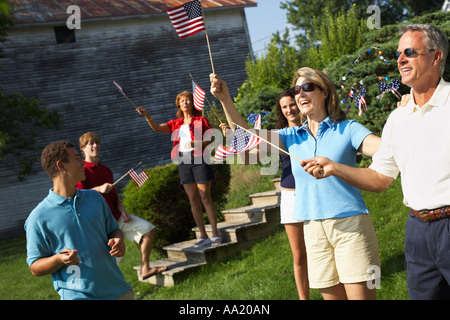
265 198
241 229
178 270
277 183
181 262
183 258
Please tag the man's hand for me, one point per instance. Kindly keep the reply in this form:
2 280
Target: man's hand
125 215
117 247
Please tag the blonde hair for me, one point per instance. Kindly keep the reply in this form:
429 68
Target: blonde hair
321 79
86 138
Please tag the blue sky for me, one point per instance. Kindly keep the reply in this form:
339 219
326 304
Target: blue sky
264 20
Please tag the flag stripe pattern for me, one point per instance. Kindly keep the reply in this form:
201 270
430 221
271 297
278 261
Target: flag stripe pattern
138 175
242 141
187 18
199 96
223 153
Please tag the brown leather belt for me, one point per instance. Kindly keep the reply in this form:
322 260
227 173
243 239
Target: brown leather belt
431 215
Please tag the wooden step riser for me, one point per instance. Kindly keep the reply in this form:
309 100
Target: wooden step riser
265 201
243 227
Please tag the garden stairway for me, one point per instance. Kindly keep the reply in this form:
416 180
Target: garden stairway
241 228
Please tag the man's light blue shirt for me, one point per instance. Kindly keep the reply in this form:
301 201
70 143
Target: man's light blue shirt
82 223
330 197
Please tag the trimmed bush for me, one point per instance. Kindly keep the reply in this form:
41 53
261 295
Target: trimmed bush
163 201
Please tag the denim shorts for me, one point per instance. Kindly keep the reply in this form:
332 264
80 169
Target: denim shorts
195 171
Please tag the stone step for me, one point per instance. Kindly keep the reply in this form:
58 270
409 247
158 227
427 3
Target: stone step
178 270
241 229
265 198
183 258
181 263
277 183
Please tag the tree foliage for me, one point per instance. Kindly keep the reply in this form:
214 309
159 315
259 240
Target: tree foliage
308 14
367 68
274 69
339 34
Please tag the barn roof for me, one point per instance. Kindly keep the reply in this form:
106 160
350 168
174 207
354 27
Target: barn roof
51 11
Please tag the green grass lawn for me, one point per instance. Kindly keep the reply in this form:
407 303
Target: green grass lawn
262 273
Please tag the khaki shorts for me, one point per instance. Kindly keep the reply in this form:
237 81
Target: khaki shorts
135 228
341 250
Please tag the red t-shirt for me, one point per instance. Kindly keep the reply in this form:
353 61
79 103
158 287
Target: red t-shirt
96 175
198 126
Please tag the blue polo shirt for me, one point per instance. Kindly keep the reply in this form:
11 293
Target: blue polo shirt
82 223
331 197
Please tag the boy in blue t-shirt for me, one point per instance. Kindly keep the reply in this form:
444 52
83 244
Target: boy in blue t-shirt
72 234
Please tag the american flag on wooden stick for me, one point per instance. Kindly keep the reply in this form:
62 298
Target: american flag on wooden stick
242 141
223 153
199 96
138 175
187 18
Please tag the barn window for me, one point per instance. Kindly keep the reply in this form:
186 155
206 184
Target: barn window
64 35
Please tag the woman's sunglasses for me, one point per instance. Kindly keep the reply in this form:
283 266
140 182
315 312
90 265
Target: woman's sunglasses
409 52
307 87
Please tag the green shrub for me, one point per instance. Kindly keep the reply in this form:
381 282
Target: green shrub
163 202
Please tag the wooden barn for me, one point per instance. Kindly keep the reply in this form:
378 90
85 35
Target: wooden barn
132 42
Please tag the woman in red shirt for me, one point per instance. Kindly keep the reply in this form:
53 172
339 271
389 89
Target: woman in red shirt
195 174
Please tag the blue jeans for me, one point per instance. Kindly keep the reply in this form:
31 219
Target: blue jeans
427 254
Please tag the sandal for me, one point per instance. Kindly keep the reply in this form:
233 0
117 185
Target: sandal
216 241
158 270
202 243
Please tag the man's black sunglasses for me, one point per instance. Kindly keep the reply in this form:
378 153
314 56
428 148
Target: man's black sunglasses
409 52
306 87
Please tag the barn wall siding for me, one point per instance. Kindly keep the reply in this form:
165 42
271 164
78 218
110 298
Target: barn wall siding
145 56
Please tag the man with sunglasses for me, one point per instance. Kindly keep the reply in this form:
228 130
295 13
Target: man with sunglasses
415 143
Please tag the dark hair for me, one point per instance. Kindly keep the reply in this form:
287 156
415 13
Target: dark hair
190 96
52 153
281 119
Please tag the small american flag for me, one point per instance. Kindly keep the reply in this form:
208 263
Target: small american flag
118 87
392 87
199 96
223 153
360 102
138 175
253 117
187 18
242 141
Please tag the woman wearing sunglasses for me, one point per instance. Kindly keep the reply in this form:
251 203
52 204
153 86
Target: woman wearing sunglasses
288 115
340 240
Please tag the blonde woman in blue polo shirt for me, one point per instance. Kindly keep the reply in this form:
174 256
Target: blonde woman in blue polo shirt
341 243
